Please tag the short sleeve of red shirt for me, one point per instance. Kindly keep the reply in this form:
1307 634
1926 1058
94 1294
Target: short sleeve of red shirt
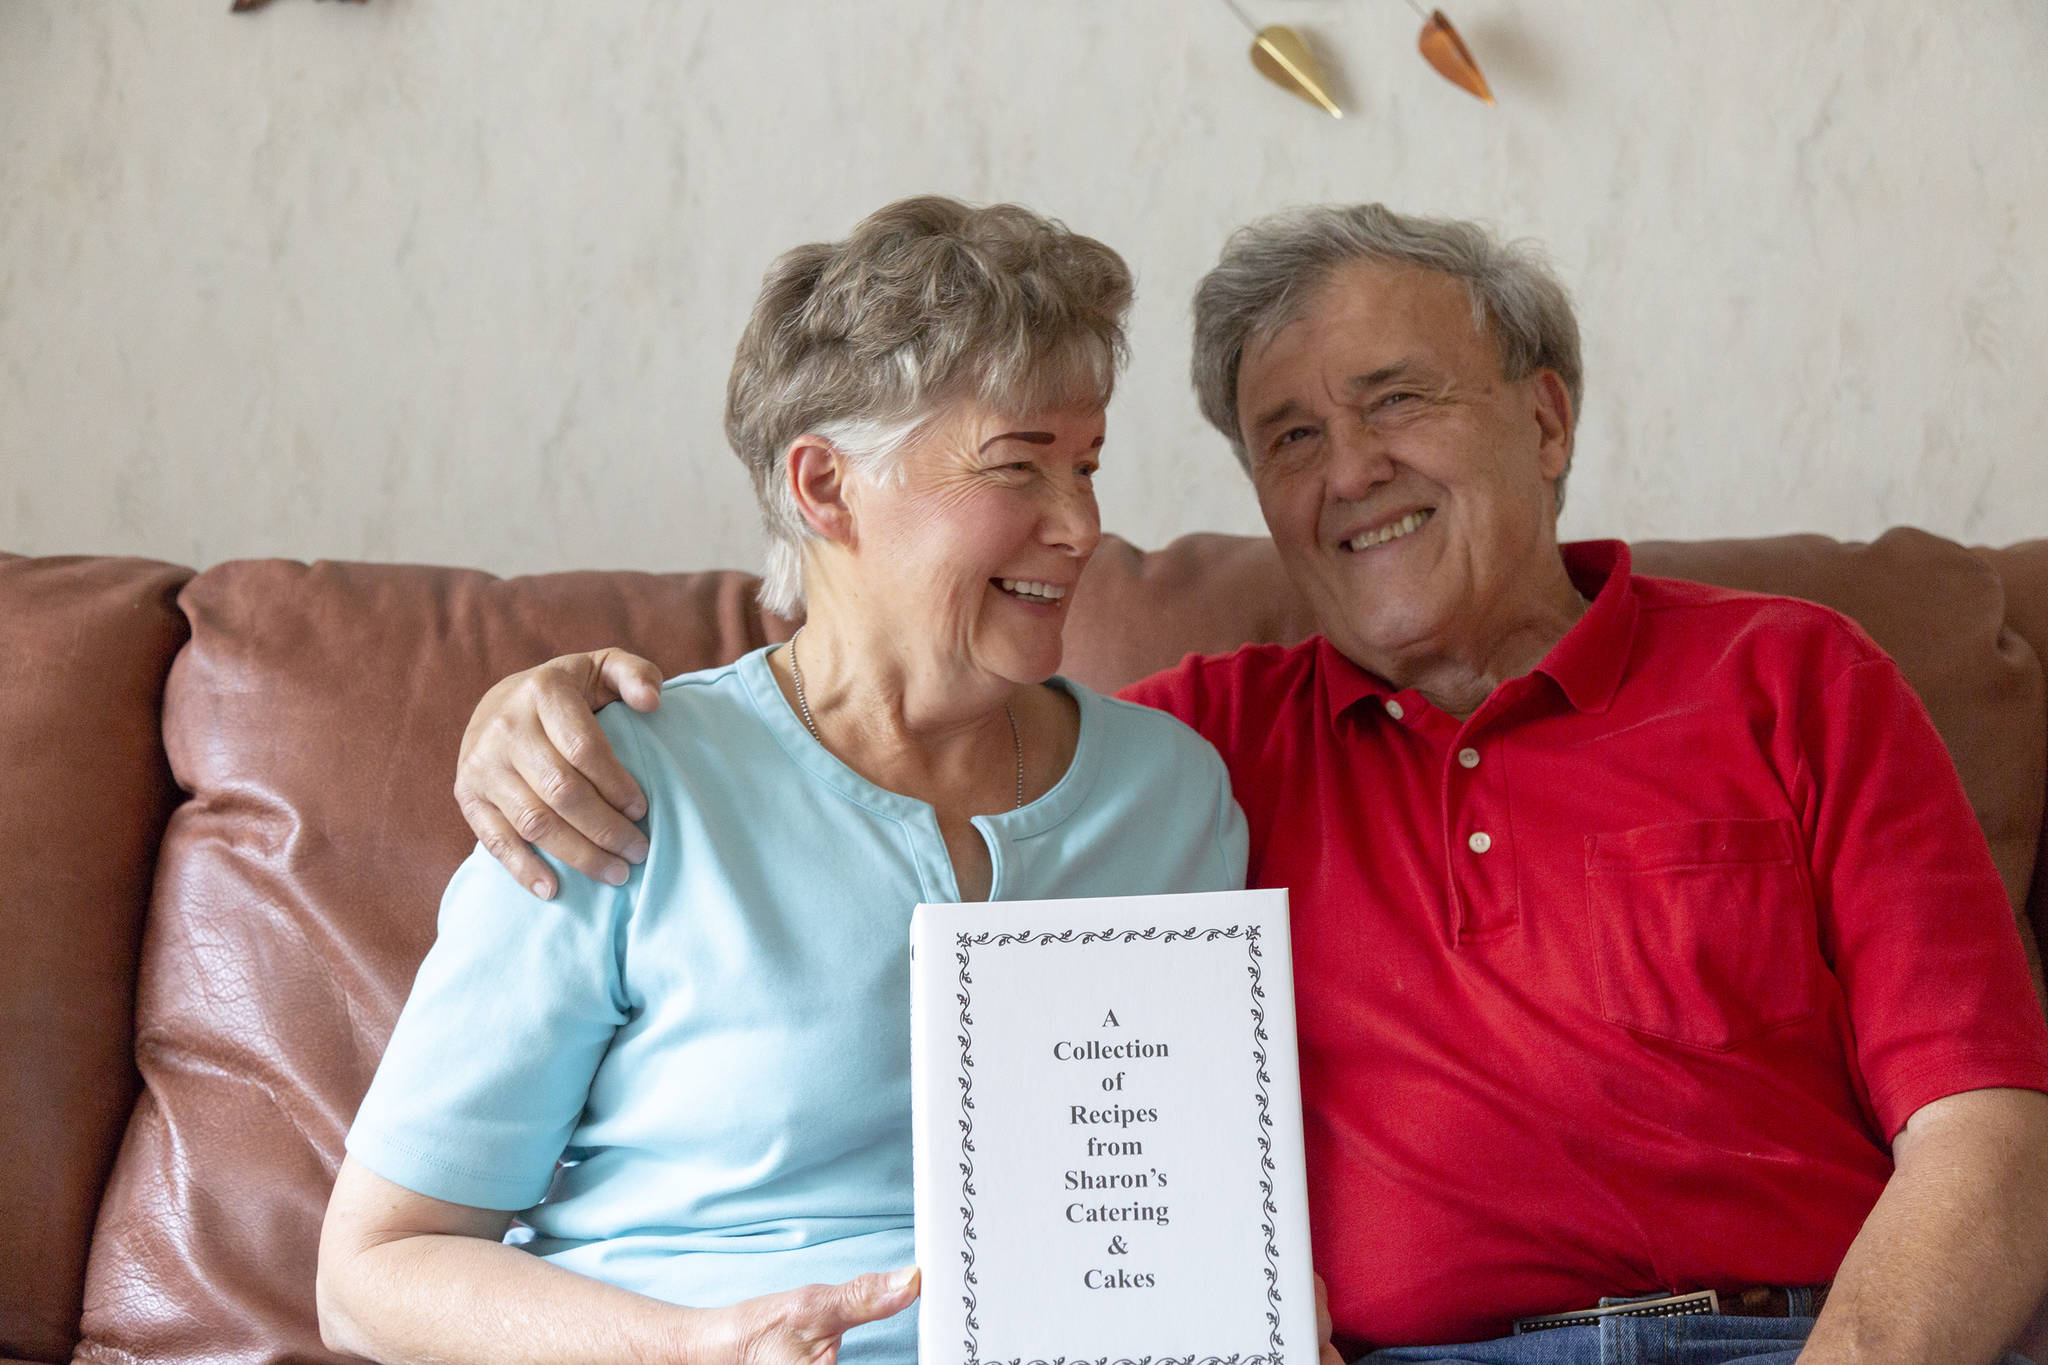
1913 916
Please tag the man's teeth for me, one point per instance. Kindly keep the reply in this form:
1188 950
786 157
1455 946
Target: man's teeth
1392 531
1049 592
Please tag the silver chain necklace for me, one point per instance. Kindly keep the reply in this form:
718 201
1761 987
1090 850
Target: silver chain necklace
803 707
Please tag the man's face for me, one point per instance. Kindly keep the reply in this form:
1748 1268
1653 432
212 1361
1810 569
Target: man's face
1408 485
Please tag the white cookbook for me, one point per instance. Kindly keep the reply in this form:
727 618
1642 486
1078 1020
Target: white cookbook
1107 1118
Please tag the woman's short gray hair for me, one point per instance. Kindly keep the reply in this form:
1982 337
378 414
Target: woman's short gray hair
1271 270
929 302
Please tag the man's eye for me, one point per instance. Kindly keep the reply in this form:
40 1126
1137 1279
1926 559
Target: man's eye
1391 399
1293 434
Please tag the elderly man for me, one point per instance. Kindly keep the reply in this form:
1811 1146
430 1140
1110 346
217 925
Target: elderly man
1645 942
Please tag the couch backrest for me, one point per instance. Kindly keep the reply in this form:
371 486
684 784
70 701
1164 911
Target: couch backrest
84 793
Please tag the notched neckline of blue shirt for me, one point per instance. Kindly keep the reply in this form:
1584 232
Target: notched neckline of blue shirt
935 865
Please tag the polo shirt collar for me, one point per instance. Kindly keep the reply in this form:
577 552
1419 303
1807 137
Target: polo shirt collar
1588 662
1586 665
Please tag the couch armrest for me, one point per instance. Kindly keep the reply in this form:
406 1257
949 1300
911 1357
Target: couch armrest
85 645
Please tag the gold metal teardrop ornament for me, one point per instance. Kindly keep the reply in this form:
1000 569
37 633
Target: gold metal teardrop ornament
1284 59
1443 49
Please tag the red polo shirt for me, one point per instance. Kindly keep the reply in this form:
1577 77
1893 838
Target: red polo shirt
1625 982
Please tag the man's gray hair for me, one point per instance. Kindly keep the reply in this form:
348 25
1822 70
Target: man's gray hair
929 302
1270 271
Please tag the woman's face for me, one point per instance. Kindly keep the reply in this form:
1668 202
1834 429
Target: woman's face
975 546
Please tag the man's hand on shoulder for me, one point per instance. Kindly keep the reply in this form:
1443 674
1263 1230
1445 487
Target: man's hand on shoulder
536 769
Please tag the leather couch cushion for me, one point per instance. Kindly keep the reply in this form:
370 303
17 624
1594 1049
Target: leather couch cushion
84 647
314 718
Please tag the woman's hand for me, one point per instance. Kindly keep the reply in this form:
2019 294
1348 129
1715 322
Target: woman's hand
536 768
800 1326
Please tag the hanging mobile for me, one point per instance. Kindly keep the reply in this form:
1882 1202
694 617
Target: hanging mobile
1284 59
1443 49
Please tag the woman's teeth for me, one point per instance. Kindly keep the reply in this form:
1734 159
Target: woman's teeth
1044 592
1392 531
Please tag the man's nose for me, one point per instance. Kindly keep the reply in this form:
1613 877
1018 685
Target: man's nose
1360 458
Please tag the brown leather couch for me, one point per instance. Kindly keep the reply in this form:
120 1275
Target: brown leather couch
227 818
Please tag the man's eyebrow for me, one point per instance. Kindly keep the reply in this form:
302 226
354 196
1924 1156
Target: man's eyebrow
1286 409
1360 382
1037 438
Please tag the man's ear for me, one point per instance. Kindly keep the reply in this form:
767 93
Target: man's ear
1555 421
818 479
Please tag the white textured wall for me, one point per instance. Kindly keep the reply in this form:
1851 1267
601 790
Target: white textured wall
458 282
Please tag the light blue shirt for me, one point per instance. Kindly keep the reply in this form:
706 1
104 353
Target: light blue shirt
697 1085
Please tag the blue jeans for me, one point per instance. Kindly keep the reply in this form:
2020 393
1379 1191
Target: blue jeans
1709 1339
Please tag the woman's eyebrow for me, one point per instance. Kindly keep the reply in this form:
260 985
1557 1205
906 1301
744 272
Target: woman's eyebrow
1037 438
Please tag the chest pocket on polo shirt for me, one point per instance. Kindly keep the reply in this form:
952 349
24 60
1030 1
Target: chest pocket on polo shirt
1703 931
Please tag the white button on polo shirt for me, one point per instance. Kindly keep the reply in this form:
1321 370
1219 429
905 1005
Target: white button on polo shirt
1394 709
1480 841
1468 758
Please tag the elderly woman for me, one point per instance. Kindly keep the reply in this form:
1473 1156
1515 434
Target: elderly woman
692 1086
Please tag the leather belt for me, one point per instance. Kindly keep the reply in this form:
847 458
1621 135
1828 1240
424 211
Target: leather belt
1771 1301
1763 1301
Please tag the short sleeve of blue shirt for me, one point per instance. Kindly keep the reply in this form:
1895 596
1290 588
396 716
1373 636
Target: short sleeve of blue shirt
696 1085
509 1018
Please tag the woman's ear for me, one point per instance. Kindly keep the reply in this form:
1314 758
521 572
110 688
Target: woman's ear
818 478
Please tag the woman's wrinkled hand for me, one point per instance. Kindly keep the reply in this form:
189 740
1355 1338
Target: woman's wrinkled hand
799 1326
536 769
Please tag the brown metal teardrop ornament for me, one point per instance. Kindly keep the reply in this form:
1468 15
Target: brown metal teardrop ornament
1443 49
1284 59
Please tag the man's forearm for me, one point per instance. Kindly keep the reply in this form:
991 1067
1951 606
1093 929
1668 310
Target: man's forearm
445 1298
1954 1258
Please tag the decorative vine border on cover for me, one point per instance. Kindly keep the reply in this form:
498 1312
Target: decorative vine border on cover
1249 933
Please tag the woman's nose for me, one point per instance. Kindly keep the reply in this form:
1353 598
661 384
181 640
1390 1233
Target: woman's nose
1073 523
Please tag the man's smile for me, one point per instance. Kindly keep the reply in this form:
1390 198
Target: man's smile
1393 530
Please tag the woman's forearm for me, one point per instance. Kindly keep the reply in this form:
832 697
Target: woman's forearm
443 1298
406 1277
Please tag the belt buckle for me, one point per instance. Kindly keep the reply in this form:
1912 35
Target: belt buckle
1696 1304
